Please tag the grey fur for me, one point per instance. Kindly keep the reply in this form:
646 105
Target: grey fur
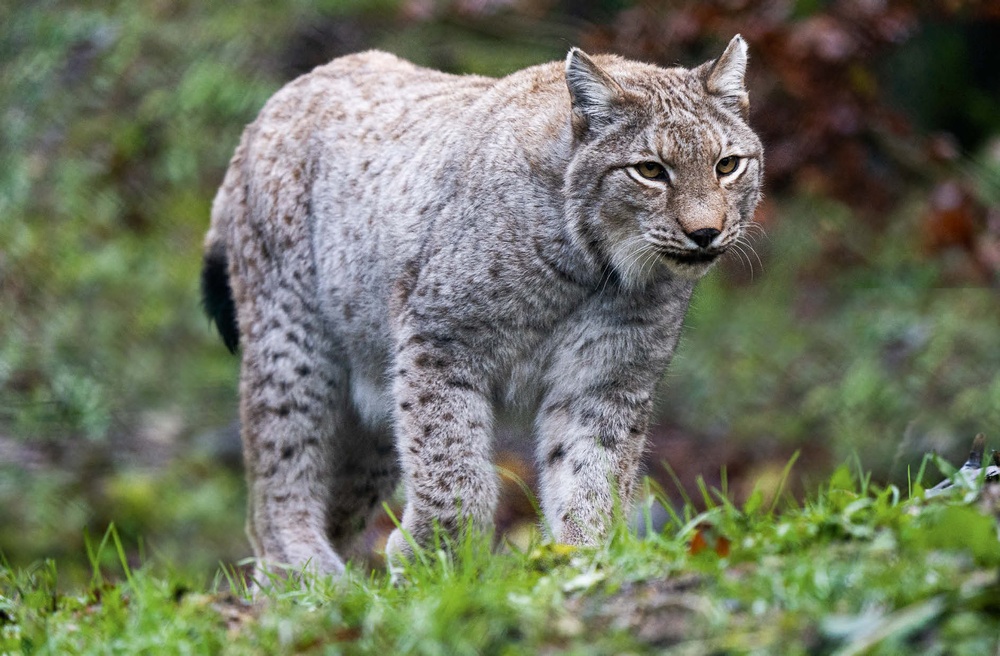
410 251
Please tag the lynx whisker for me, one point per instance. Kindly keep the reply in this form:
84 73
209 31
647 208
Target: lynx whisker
738 249
747 243
757 229
650 258
636 261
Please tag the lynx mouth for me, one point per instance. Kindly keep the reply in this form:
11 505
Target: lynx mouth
692 258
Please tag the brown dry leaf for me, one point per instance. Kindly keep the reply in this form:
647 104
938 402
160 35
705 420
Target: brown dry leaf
952 218
707 536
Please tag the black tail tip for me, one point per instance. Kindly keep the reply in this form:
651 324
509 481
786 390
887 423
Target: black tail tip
217 296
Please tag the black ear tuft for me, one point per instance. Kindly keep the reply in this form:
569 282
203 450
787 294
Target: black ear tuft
217 295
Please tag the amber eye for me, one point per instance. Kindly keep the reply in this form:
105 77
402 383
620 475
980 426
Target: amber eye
727 165
651 170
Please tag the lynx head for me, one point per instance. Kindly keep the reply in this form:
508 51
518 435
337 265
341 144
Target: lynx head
664 170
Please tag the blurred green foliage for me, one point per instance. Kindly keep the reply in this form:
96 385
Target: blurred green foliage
878 359
116 124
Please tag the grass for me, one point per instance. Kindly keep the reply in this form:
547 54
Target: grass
857 568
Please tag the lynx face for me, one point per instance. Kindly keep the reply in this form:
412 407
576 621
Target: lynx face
671 171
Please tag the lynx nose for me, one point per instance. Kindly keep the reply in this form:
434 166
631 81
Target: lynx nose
703 237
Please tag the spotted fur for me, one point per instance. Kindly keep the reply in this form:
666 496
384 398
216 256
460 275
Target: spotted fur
410 251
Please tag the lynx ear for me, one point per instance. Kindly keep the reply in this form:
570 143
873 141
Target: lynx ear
724 76
593 92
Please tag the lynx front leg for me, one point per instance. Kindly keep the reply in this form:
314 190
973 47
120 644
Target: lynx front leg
590 447
444 433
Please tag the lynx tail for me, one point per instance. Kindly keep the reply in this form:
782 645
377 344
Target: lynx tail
217 295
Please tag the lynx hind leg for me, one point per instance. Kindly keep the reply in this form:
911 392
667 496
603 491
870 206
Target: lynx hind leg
316 472
366 473
291 413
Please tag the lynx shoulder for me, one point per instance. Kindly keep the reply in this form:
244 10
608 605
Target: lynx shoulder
400 253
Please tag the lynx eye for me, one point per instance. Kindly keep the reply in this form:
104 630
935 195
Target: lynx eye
651 171
727 165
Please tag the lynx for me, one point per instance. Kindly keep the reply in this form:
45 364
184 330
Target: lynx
405 255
